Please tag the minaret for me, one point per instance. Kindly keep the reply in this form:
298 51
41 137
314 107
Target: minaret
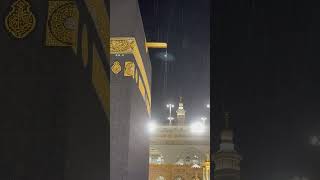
181 114
227 136
227 159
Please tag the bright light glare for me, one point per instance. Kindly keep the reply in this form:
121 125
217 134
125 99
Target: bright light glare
165 56
152 126
197 127
208 105
170 105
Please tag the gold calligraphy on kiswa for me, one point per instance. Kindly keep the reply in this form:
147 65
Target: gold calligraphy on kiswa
62 23
129 69
116 67
20 21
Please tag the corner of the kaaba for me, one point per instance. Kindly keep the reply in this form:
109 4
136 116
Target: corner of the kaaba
54 91
130 92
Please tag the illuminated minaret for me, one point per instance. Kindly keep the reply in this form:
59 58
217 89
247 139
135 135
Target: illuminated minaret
227 159
181 114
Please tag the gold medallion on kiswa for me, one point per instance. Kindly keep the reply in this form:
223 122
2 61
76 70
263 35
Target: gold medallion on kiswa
129 69
62 24
20 21
116 67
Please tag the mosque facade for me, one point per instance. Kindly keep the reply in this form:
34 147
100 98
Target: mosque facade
178 153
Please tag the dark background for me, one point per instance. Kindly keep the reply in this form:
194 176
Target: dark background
185 26
265 61
265 72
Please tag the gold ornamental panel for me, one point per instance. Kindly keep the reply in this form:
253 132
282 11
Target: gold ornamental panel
62 23
116 67
129 69
119 46
122 46
20 21
128 45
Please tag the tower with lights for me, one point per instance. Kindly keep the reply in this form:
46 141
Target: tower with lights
227 159
180 150
181 114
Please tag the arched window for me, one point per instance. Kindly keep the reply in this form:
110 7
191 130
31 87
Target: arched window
188 160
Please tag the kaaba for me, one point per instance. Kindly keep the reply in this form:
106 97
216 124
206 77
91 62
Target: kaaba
130 92
55 91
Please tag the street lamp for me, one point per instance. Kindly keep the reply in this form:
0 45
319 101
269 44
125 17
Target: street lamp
204 120
170 118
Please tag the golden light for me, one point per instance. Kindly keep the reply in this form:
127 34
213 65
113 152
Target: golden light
156 45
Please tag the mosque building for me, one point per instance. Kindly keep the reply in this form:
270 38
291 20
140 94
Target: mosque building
180 151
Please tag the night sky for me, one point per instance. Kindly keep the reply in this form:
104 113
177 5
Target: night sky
265 72
185 26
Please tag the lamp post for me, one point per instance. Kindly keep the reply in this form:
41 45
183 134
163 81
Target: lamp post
204 120
170 118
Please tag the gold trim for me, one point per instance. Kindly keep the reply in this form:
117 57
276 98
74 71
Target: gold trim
122 45
128 45
136 76
142 89
85 48
100 81
156 45
172 171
